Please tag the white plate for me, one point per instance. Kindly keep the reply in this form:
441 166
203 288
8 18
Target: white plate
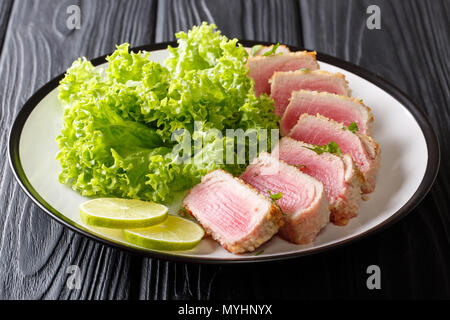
409 152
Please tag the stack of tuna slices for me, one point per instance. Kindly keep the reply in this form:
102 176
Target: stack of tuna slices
298 188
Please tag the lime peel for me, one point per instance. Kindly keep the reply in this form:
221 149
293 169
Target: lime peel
174 234
122 213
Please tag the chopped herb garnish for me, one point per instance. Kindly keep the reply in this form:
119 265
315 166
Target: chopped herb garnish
255 174
304 69
353 127
273 50
255 49
275 196
332 147
316 149
259 252
300 166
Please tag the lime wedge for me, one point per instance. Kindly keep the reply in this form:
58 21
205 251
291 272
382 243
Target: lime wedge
122 213
174 233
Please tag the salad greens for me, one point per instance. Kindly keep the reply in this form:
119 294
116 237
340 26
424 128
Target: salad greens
117 137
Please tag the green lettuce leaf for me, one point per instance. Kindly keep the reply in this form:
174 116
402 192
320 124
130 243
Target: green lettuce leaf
117 138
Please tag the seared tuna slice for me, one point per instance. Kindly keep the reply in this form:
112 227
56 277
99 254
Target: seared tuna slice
283 83
337 107
261 68
233 213
363 149
340 177
303 200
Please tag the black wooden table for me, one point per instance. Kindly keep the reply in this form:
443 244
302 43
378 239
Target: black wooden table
411 50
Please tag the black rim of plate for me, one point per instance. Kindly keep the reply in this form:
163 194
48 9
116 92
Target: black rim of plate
425 185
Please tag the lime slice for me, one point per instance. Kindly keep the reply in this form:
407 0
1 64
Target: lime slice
174 233
122 213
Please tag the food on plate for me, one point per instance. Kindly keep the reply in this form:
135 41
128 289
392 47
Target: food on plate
340 176
302 198
337 107
260 50
282 85
234 214
263 67
122 213
122 121
138 130
319 130
174 233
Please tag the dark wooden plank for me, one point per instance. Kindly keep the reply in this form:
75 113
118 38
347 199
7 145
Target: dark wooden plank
5 12
267 20
412 51
176 281
35 251
241 19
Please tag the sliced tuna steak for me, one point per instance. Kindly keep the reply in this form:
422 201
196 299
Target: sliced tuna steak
261 68
363 149
303 202
337 107
340 177
283 83
233 213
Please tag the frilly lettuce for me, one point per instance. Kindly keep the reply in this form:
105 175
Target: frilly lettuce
119 120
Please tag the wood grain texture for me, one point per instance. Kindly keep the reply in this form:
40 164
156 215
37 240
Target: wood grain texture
34 250
411 50
268 20
5 12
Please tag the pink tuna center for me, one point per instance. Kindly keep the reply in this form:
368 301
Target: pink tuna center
314 133
294 196
339 113
330 173
228 212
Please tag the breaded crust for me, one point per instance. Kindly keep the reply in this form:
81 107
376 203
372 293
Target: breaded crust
347 205
370 175
305 229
